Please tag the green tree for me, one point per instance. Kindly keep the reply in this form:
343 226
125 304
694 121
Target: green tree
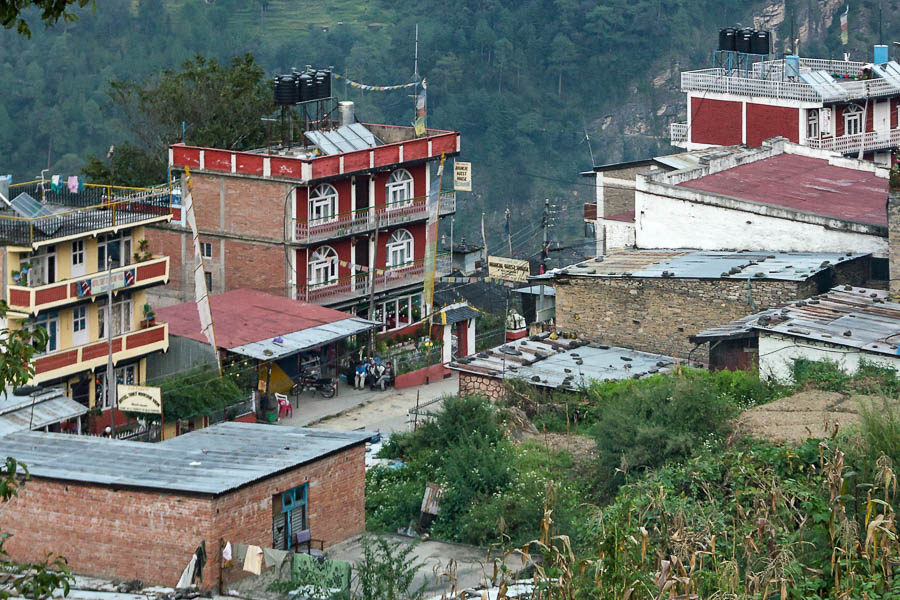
218 106
51 12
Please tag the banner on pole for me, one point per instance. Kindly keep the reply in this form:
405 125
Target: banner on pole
845 31
420 111
431 235
462 176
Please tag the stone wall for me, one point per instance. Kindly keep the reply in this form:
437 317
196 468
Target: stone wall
893 209
471 384
657 315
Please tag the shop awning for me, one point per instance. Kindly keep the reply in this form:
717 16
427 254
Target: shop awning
37 410
306 339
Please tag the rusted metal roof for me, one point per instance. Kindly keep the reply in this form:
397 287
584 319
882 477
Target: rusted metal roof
561 363
803 183
856 317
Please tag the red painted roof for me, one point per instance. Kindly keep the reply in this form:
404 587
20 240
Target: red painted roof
626 215
245 316
803 183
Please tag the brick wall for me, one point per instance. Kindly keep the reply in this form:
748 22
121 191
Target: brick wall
254 265
166 242
715 121
894 244
617 199
149 535
658 315
480 385
764 122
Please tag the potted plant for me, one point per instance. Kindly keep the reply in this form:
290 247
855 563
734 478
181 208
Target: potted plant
20 277
143 254
149 317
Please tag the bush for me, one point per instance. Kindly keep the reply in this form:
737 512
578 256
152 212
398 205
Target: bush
660 419
819 374
880 426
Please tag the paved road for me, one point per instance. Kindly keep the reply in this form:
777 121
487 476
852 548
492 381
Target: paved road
385 411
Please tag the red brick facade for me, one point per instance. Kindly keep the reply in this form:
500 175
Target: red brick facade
764 122
715 121
150 535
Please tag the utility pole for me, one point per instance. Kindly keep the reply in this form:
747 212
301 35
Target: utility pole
545 218
110 372
508 234
373 273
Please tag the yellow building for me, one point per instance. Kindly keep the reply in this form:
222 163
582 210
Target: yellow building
62 251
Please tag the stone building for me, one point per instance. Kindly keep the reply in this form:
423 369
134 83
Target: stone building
130 510
653 300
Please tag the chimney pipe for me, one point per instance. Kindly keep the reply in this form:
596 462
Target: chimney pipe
345 113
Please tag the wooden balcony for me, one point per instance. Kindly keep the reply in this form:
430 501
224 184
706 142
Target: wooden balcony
32 300
74 360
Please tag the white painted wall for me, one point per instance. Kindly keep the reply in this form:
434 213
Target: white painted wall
616 234
666 222
470 338
777 353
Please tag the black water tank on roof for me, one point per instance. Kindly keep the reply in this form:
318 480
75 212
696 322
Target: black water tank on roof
306 87
759 44
323 84
726 39
743 40
285 90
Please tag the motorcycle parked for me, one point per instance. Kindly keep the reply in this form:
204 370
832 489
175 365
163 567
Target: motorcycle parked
312 382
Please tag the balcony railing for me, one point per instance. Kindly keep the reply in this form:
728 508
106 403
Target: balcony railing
869 141
65 291
359 284
96 208
364 219
716 80
678 134
90 356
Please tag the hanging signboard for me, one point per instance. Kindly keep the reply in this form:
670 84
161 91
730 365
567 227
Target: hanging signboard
101 283
511 269
140 399
462 176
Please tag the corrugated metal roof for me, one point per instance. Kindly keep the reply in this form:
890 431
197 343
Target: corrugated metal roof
207 461
456 313
298 341
706 264
345 138
21 413
564 364
845 316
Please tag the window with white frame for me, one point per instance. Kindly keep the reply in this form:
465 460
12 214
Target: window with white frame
399 248
399 189
77 252
206 249
323 205
43 265
400 312
79 319
121 316
50 323
127 375
116 247
322 268
852 119
812 123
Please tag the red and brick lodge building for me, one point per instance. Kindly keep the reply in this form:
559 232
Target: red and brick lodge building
325 221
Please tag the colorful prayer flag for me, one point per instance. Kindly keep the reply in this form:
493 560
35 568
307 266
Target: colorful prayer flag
431 231
845 32
420 110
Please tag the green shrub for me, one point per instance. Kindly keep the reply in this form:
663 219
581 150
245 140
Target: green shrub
819 374
661 420
879 424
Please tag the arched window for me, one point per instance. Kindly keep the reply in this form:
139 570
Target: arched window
322 268
852 119
400 248
399 189
323 205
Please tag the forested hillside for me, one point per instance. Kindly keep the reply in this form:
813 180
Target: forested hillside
521 80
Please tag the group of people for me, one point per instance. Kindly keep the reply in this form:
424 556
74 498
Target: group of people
373 373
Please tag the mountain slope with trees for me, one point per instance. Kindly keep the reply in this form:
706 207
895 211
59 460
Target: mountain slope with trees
523 81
